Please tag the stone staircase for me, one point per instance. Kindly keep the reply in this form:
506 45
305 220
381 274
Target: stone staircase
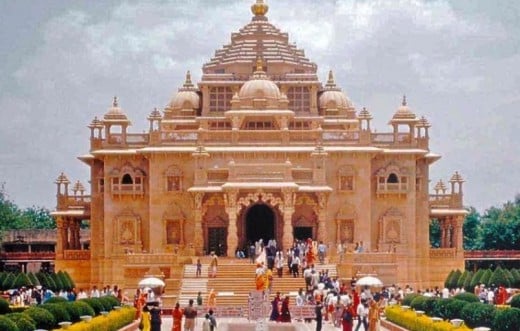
235 280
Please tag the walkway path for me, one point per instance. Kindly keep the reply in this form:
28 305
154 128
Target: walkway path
223 325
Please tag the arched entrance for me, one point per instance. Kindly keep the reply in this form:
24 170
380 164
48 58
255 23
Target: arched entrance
260 223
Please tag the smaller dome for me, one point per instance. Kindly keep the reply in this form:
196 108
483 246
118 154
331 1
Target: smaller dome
115 113
404 112
259 86
333 97
186 97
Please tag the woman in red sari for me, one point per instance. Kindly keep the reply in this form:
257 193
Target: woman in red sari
348 317
177 314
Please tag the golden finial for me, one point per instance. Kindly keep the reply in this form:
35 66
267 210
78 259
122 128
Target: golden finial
259 8
259 64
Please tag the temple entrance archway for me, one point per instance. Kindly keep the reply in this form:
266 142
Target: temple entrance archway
260 223
303 232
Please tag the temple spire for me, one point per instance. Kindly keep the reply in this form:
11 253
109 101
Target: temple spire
259 64
187 82
330 80
115 103
404 100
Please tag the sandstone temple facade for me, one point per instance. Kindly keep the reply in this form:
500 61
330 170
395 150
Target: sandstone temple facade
258 148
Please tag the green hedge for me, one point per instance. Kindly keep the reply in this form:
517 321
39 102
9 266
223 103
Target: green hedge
43 318
408 298
478 314
7 324
468 297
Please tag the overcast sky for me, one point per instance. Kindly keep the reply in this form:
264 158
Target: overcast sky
458 62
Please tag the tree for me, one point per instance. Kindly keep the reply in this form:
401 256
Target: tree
435 233
485 277
471 229
499 278
500 227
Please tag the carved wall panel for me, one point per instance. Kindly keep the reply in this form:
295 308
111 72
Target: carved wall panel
391 227
127 230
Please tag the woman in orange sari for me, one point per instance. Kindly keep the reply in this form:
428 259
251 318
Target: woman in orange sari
177 314
260 277
212 299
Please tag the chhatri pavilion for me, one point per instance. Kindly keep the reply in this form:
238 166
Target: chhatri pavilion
258 148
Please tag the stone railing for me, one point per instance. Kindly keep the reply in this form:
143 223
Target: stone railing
449 200
442 253
28 256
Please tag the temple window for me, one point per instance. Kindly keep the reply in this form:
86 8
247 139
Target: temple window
259 126
131 182
219 98
392 180
299 98
299 125
101 187
127 179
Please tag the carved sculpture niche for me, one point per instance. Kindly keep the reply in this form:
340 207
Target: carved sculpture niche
127 227
173 220
390 228
345 220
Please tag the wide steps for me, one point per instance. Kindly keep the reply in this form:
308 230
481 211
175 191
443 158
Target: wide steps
235 280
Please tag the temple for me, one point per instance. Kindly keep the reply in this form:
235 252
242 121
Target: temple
259 148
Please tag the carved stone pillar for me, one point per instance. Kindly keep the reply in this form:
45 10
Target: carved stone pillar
338 231
458 235
60 237
181 231
198 235
75 242
288 211
442 225
231 210
322 217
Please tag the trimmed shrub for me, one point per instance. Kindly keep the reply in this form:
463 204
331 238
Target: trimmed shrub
454 279
8 282
33 279
410 321
429 305
441 308
70 280
43 318
22 280
56 299
475 280
507 319
110 301
64 281
22 321
447 281
58 311
454 308
516 278
478 314
408 298
83 308
7 324
499 278
468 297
57 281
95 304
467 283
462 278
418 302
515 301
485 277
4 306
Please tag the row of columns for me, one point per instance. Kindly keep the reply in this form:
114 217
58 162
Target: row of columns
451 232
233 209
68 236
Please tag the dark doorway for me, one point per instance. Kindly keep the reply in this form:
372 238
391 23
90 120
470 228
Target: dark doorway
217 240
260 223
302 232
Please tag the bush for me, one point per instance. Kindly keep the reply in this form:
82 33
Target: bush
447 281
7 324
478 314
95 304
485 277
109 302
454 308
453 281
58 310
468 297
418 302
83 308
515 301
507 319
429 305
499 278
408 298
73 311
8 282
22 321
56 299
22 280
43 318
410 321
4 306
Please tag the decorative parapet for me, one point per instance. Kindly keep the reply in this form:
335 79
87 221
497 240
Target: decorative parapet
450 200
76 254
372 258
442 253
150 259
28 256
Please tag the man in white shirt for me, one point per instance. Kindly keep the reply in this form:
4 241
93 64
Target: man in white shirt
362 312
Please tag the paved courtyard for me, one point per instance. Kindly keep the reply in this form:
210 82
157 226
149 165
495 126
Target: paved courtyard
242 324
